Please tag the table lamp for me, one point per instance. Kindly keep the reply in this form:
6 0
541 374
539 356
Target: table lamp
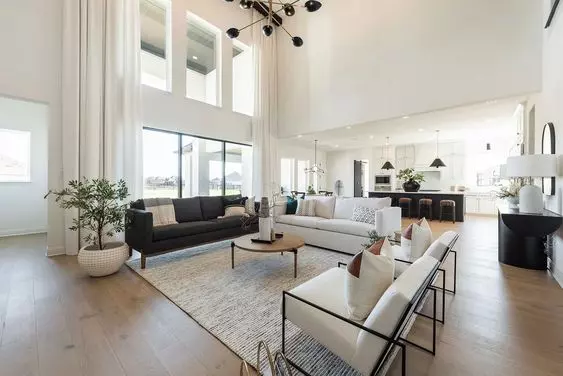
531 166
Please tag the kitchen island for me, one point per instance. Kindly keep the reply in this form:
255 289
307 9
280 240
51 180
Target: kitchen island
436 196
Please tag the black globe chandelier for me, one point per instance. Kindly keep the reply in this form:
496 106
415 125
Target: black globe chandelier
272 16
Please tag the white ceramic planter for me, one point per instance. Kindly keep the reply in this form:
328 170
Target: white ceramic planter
99 263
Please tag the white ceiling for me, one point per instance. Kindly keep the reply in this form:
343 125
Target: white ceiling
487 120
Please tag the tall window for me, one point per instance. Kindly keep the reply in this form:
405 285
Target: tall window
287 174
243 79
302 176
202 42
238 169
155 43
160 164
178 165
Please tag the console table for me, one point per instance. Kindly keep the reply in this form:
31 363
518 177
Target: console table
521 237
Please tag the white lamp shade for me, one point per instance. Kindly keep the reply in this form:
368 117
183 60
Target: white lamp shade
534 165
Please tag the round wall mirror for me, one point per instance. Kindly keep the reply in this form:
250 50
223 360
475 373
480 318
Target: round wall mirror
548 147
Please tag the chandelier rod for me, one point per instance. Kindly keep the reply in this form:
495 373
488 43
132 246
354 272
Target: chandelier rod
271 12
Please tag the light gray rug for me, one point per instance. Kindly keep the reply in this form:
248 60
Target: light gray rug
241 306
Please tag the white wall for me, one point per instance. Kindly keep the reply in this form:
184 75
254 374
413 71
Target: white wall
30 68
364 61
172 110
24 210
549 108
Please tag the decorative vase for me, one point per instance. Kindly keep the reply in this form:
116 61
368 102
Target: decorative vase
512 202
411 186
265 228
99 263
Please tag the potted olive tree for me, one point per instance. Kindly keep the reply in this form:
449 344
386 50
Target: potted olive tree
411 179
101 214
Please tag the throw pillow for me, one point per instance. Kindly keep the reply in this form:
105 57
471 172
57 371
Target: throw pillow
162 210
291 207
416 239
235 211
233 200
305 208
364 214
249 206
368 275
324 206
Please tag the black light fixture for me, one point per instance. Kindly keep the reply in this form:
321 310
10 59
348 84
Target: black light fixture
271 15
387 165
437 162
488 146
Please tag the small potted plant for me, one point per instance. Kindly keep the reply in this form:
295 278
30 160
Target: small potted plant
311 190
101 214
511 192
411 179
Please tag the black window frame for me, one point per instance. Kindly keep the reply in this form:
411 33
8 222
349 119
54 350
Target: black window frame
179 150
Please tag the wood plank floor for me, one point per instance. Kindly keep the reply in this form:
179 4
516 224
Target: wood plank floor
54 320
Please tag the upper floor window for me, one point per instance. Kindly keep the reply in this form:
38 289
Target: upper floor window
243 79
203 46
155 43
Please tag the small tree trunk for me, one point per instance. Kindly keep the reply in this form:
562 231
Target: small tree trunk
100 231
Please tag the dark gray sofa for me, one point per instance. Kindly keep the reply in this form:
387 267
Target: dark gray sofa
198 223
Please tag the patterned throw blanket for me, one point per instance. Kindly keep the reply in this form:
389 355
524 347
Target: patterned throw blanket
162 210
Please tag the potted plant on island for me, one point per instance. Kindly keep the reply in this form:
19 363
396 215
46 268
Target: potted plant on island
101 214
411 179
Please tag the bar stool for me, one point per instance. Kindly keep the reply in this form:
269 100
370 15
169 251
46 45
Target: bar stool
425 204
405 205
450 204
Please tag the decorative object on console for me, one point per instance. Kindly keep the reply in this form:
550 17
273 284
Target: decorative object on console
272 16
411 179
437 162
101 214
530 166
511 193
311 190
548 147
368 275
387 165
316 168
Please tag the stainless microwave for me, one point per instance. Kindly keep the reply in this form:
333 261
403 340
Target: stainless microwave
382 179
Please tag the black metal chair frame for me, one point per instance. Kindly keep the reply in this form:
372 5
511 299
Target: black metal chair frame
395 340
452 208
422 205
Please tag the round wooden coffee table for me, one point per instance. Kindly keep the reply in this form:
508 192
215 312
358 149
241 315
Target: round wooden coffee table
289 243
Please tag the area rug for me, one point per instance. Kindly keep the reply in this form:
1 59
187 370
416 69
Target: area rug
241 306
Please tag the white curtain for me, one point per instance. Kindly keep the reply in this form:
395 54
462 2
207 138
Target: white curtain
102 94
265 120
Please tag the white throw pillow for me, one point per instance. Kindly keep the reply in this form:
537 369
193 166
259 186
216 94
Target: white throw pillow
368 275
324 206
416 239
249 206
363 214
305 208
235 211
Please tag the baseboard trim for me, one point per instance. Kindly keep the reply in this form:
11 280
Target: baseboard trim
557 275
21 232
55 251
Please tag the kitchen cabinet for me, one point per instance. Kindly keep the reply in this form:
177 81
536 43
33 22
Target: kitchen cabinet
405 156
480 203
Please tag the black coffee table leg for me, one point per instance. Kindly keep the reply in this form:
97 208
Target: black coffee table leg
232 255
294 263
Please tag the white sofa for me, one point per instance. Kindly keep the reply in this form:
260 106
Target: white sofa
334 229
362 350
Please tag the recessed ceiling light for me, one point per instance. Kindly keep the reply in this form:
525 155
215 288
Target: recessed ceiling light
335 146
348 127
491 102
371 136
194 57
406 117
299 135
420 129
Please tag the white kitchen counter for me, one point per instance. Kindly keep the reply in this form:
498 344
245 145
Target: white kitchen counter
424 193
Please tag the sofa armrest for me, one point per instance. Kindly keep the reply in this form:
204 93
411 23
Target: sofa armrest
138 231
388 220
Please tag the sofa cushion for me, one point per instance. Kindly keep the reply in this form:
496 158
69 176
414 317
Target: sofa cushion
388 311
211 207
420 239
368 275
137 204
306 208
297 220
345 226
228 222
344 207
327 291
233 200
324 206
187 209
182 229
